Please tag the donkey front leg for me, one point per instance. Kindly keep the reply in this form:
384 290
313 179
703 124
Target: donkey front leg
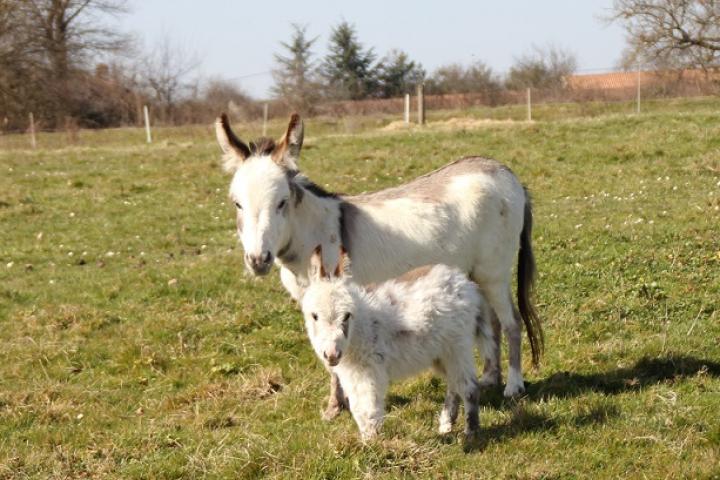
367 398
337 401
291 284
489 342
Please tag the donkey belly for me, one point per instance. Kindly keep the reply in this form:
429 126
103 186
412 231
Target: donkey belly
409 359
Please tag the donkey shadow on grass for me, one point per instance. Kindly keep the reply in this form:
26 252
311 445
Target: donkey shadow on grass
645 372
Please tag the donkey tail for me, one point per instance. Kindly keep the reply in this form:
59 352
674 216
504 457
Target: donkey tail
526 285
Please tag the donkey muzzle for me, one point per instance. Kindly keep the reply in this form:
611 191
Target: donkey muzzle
259 264
333 358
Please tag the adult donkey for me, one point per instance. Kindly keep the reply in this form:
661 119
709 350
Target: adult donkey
473 214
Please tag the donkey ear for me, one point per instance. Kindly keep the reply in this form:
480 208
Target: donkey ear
234 150
317 271
287 152
343 268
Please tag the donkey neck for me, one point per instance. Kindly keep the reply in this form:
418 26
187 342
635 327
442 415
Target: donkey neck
365 341
314 221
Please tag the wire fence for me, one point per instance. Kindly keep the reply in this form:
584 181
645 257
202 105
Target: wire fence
579 95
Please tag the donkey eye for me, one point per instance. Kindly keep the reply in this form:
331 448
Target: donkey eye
314 316
345 325
282 204
237 204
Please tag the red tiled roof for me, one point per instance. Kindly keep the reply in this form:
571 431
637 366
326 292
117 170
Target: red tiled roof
629 79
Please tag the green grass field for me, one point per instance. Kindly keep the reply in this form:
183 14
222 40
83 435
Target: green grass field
133 345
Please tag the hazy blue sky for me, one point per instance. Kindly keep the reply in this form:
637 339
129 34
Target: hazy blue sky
238 38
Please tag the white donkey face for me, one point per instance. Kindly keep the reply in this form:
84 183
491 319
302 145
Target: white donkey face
329 309
261 192
261 189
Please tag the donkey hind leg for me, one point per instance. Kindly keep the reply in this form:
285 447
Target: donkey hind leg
462 378
472 408
488 339
469 387
337 401
498 295
449 412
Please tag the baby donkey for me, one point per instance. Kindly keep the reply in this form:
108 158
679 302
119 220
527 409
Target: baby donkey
430 317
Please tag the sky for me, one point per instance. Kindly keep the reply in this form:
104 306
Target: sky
237 39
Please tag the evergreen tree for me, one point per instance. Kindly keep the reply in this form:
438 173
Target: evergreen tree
348 68
294 74
398 74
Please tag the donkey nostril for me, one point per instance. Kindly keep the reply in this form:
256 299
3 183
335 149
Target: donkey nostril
325 355
266 257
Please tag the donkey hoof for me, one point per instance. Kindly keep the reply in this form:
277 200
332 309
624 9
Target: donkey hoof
472 441
514 390
331 412
489 381
445 428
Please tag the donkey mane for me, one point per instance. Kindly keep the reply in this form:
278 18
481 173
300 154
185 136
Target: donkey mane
312 187
262 146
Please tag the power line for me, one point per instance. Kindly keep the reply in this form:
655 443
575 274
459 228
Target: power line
248 75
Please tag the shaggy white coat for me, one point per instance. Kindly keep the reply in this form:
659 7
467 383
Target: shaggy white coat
396 330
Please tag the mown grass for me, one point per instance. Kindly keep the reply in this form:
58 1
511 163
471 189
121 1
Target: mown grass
134 346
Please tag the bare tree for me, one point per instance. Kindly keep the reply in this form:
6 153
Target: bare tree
70 32
67 34
167 73
670 33
220 95
15 63
457 78
542 68
45 45
12 42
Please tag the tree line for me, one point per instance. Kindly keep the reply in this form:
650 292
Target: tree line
66 61
350 71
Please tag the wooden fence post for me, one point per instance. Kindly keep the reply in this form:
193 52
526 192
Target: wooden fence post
421 105
407 109
33 141
529 106
147 124
638 89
